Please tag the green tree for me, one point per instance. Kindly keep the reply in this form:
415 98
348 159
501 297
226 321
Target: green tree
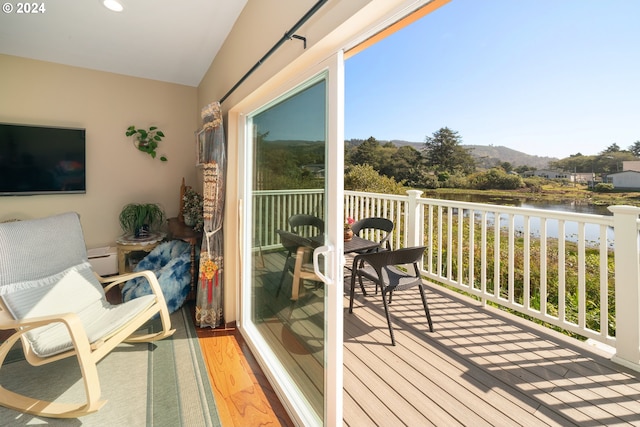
605 162
523 168
613 148
404 164
576 163
506 166
444 153
635 148
367 153
497 179
366 178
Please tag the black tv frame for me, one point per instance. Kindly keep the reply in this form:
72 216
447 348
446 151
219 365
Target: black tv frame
55 155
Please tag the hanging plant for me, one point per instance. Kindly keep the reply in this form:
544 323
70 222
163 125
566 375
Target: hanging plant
146 140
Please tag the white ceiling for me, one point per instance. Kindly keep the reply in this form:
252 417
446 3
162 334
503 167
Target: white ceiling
168 40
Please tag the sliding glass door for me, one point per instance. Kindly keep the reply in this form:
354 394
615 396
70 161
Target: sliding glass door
292 213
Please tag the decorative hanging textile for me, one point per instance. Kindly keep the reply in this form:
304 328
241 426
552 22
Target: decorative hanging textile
210 293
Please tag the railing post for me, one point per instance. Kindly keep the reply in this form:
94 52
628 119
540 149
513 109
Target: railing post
627 285
414 219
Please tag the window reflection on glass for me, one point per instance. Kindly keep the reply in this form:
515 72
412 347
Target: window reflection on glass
289 155
290 142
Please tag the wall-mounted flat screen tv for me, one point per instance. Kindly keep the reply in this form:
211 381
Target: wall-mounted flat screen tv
41 160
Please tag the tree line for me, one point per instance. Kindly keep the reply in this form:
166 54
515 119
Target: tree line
607 161
444 162
371 165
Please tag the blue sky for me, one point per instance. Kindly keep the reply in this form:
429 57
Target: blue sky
545 77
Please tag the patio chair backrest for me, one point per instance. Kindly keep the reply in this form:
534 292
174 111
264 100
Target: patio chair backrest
306 225
375 224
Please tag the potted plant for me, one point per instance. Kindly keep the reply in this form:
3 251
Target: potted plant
146 140
138 219
192 209
348 232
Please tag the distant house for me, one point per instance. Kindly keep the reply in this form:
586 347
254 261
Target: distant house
631 165
584 177
549 174
317 170
625 180
554 174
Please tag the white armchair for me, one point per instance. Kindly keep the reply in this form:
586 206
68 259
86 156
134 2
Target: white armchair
57 306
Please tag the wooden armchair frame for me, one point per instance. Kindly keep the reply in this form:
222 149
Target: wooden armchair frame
88 353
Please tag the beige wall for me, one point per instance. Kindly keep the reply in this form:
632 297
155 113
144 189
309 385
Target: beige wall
261 24
105 104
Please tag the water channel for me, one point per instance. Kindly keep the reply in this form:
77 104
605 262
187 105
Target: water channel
568 206
592 232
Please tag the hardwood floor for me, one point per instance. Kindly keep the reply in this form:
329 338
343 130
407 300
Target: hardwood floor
243 395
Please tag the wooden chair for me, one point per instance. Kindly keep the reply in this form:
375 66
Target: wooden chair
306 226
382 269
56 304
299 264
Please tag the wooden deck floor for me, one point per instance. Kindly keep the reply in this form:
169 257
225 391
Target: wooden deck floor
479 367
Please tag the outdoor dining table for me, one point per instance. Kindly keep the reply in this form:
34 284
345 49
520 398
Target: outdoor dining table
353 246
357 244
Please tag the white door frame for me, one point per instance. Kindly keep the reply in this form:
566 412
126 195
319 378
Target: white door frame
333 379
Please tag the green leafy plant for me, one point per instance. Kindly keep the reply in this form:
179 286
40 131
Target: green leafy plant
147 139
193 209
140 218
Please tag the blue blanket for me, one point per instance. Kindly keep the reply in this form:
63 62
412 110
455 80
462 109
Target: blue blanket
171 262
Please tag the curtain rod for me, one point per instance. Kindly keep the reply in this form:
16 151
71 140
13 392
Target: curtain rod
287 36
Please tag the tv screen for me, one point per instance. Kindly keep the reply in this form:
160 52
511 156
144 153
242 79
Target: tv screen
41 160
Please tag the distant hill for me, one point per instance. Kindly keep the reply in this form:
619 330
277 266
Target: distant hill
487 156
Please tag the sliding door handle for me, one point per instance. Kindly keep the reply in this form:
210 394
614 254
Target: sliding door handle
325 249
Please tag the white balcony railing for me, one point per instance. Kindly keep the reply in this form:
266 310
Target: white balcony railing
579 272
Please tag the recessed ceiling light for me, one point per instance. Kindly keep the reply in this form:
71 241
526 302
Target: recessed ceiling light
114 5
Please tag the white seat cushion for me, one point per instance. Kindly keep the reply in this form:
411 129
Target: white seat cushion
74 291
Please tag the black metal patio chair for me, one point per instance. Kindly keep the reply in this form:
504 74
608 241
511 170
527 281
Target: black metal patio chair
382 269
306 225
374 226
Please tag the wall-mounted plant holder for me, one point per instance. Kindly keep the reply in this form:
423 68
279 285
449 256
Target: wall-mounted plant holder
146 140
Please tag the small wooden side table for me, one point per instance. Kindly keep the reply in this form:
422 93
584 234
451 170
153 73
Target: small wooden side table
179 230
127 244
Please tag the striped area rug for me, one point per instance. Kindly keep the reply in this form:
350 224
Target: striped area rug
159 384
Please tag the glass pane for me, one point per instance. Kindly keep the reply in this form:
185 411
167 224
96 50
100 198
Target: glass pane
289 155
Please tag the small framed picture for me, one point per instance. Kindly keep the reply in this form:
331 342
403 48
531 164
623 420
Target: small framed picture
200 148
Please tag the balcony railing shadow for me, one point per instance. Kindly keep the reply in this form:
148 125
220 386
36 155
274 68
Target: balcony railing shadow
480 365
